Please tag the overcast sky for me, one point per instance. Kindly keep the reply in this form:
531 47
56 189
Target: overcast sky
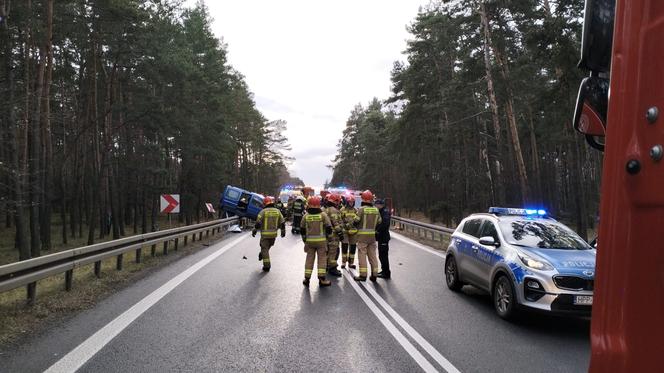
309 62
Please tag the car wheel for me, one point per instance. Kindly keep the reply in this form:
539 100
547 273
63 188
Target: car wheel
452 274
504 298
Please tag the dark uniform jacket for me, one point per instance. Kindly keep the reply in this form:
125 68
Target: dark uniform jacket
383 229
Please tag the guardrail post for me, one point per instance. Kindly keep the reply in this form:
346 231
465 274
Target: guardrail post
32 293
139 255
165 247
153 251
175 246
119 262
200 236
193 237
207 233
98 269
185 240
69 276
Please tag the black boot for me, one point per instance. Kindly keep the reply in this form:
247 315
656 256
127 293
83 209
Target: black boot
360 278
260 256
306 281
372 278
385 275
334 271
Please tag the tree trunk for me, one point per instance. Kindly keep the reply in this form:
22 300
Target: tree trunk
47 157
36 191
17 203
536 156
511 116
493 104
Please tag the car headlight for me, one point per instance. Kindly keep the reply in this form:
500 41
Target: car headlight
534 263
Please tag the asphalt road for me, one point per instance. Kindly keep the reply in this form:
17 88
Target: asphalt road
215 311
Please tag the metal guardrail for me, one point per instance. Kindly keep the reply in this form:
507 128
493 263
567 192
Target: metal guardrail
28 272
438 232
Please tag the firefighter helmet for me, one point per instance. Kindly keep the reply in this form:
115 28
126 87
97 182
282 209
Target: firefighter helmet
268 200
334 199
314 202
367 196
350 200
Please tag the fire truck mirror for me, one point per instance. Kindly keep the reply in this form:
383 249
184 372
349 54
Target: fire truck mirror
597 39
591 108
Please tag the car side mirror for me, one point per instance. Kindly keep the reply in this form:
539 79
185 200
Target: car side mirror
489 241
591 108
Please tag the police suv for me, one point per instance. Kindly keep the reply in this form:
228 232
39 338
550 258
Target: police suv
524 259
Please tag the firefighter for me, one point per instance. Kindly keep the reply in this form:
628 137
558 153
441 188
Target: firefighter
332 211
268 221
368 218
315 228
383 238
349 243
298 211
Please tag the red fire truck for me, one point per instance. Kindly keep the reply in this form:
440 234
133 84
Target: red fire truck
623 48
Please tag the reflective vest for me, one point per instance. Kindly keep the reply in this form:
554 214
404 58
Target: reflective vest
270 220
349 216
335 218
315 228
369 221
298 207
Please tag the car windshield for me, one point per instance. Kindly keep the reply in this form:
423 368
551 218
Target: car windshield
541 234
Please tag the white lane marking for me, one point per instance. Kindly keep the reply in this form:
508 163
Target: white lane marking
403 341
86 350
440 359
416 244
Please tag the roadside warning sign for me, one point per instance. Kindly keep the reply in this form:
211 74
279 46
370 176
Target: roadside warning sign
170 203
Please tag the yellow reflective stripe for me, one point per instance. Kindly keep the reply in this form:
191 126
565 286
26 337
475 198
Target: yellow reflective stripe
308 271
266 260
321 271
267 216
312 218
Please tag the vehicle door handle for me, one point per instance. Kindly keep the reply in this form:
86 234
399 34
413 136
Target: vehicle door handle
475 249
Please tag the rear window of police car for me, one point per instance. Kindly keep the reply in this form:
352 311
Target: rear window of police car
472 227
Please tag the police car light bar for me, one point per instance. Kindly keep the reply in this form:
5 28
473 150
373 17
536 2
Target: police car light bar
521 212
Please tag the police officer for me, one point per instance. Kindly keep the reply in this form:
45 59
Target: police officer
298 211
268 221
332 211
367 220
316 227
383 238
349 243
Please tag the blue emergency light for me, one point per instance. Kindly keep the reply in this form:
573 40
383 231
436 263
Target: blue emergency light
520 212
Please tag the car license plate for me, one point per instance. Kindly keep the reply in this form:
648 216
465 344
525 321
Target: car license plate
583 300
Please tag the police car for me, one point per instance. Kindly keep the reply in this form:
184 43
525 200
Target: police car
524 259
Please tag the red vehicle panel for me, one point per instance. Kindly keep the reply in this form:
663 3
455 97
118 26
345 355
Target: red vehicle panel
628 312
